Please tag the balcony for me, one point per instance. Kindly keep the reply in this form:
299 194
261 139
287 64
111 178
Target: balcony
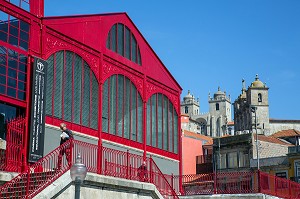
204 164
294 149
203 159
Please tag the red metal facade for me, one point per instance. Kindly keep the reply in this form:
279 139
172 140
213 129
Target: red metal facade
86 36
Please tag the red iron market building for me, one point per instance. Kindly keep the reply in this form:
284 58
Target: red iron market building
100 76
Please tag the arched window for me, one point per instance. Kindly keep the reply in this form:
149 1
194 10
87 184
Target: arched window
122 109
259 97
72 90
162 123
186 109
217 106
121 40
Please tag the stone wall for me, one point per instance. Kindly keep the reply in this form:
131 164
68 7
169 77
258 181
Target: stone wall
98 186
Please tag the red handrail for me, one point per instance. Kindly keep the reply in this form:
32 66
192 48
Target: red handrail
115 163
161 183
235 183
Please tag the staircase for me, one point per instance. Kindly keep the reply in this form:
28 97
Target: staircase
41 174
18 186
36 178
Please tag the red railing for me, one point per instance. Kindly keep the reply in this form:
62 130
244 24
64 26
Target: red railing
14 153
280 187
157 178
37 177
114 163
235 183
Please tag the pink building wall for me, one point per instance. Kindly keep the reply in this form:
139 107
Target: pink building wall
191 147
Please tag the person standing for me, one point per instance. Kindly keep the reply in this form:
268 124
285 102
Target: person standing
65 135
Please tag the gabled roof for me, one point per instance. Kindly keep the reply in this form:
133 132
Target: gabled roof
272 139
93 33
286 133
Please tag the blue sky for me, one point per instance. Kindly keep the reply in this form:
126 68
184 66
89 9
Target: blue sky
210 43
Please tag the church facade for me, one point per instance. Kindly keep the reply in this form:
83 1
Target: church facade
251 112
213 123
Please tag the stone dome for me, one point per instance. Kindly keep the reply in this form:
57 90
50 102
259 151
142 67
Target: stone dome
219 93
188 96
257 83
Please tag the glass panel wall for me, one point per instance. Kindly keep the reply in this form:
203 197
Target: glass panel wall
125 114
162 123
121 40
72 90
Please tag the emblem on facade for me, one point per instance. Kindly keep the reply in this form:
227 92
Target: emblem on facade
40 66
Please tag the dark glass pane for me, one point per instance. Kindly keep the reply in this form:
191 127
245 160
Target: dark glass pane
95 94
3 26
2 70
12 73
133 112
165 122
140 119
120 98
139 57
68 87
24 45
59 66
77 88
22 66
127 106
21 95
114 38
86 96
24 36
12 63
22 59
127 43
13 40
175 132
121 39
22 76
105 107
149 122
2 79
3 36
12 82
21 86
2 89
24 26
13 30
49 87
154 117
11 92
3 59
159 121
133 49
171 127
112 104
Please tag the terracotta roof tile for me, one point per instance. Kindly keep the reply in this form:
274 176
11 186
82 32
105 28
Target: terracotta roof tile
196 135
272 139
286 133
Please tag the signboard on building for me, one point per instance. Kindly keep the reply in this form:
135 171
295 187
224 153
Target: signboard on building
38 102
